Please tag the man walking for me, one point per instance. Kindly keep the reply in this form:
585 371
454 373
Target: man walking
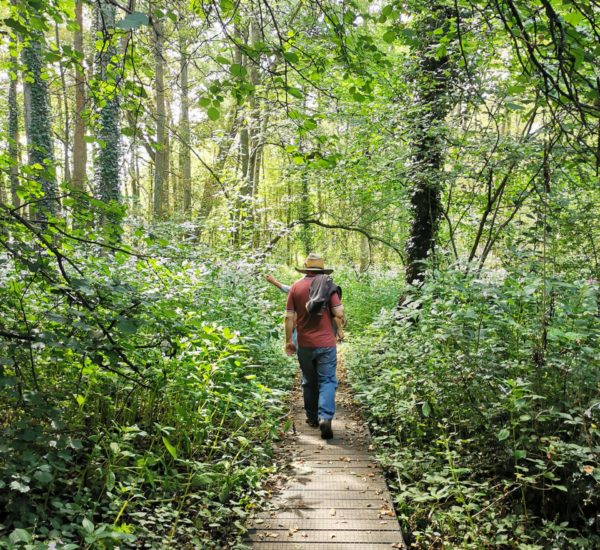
314 301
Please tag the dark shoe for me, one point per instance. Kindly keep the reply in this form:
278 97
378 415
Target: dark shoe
312 423
325 427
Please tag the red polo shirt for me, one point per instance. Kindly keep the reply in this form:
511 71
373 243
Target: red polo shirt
314 331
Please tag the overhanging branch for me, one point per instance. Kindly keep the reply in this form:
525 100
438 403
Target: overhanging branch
353 228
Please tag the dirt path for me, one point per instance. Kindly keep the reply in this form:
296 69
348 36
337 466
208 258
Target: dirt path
333 494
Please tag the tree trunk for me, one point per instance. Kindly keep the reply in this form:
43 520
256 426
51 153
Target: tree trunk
431 88
38 125
108 153
365 254
249 139
65 114
79 144
211 186
13 142
160 157
135 181
185 161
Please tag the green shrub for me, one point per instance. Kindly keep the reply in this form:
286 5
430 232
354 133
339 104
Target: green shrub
483 395
140 397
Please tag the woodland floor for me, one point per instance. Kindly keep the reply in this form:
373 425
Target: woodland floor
332 494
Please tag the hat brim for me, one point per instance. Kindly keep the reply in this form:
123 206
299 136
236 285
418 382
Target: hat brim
313 270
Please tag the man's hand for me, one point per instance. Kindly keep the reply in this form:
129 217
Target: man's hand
340 335
290 348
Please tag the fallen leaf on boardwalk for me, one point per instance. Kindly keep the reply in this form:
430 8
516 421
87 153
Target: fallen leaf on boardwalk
371 475
292 531
305 535
371 448
332 536
259 521
272 535
332 512
383 522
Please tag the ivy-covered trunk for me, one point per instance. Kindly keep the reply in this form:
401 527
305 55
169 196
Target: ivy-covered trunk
79 144
108 132
431 82
13 141
38 125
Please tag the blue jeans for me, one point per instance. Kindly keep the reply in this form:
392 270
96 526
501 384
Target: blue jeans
318 381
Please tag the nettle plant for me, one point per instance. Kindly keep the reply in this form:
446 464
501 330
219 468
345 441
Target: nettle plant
483 392
140 390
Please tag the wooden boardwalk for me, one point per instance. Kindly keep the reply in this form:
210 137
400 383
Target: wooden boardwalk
334 496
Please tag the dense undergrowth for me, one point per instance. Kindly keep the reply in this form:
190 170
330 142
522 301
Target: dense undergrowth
140 395
485 410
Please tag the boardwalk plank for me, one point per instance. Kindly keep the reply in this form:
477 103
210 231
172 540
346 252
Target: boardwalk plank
326 513
326 535
340 493
295 545
331 523
335 495
326 504
333 484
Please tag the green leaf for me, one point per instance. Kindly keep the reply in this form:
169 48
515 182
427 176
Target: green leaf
133 21
20 535
204 101
172 450
389 36
426 409
43 477
309 124
87 525
15 25
110 481
201 480
291 57
516 89
213 113
574 18
227 6
503 434
237 70
296 92
127 326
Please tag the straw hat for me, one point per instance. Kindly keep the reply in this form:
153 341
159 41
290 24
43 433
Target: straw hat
314 264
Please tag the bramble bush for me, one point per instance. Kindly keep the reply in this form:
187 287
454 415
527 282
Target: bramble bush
482 391
140 393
